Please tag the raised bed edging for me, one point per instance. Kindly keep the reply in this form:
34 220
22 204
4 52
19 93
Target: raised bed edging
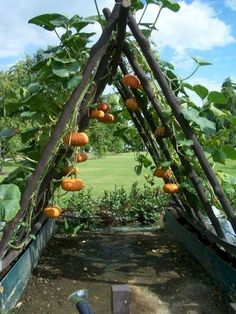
14 282
223 273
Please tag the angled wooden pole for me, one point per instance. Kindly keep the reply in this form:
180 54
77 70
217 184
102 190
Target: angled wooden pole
121 32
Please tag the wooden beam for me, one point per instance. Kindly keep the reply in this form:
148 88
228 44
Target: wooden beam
122 23
120 299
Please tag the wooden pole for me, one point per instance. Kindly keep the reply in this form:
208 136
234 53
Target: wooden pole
122 23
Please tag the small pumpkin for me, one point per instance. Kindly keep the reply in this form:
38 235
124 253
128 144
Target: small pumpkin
160 132
70 170
97 114
162 173
52 211
131 81
171 188
107 118
132 104
103 106
81 157
69 184
76 139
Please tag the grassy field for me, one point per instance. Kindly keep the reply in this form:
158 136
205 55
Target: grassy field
104 173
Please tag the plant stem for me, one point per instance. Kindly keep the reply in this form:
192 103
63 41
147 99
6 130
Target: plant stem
98 12
145 9
191 73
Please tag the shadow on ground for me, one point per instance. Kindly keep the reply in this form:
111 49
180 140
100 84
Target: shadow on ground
163 276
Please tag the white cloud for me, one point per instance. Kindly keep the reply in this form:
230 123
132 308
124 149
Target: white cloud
16 35
231 4
195 26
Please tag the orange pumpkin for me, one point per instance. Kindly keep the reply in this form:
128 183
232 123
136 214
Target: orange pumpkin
97 114
160 132
131 81
81 157
76 139
132 104
69 184
69 170
103 106
171 188
162 173
52 211
107 118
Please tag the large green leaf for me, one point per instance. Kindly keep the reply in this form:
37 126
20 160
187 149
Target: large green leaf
64 68
217 97
50 21
190 114
78 22
229 151
171 5
9 201
6 133
219 156
74 82
206 126
201 91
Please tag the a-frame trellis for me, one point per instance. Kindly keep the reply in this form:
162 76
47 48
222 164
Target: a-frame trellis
105 58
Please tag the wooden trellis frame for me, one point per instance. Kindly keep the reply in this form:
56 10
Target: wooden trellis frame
105 58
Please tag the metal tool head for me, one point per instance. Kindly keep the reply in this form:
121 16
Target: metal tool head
78 296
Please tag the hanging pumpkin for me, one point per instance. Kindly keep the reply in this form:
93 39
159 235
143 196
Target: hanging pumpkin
131 81
97 114
171 188
103 106
70 170
107 118
132 104
81 157
52 211
76 139
69 184
160 132
162 173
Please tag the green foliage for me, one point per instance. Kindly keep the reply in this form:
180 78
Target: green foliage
116 207
9 201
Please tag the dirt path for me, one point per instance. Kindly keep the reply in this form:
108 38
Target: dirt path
163 276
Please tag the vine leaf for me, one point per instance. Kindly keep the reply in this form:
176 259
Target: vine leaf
9 201
201 91
50 21
217 97
219 156
171 5
229 151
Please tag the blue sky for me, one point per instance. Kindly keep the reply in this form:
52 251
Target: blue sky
205 29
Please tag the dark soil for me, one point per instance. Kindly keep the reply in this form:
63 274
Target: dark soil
163 276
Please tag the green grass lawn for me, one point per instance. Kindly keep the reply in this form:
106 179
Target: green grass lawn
104 173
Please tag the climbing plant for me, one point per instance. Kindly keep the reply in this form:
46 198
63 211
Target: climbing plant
64 92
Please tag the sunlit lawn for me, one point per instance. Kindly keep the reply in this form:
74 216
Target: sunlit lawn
104 173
